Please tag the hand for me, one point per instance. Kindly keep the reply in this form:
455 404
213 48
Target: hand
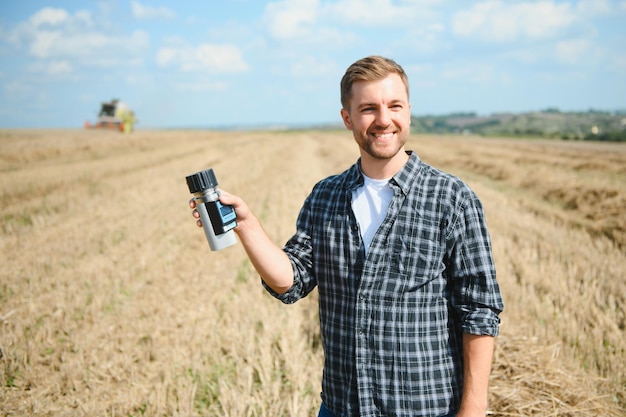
241 208
269 259
196 215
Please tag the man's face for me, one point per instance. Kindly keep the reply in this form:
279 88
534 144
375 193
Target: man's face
379 117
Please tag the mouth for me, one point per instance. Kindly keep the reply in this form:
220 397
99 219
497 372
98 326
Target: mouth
384 137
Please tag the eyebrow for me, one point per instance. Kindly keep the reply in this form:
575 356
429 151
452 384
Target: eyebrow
372 104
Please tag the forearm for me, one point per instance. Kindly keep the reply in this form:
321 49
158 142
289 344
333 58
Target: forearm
477 358
269 260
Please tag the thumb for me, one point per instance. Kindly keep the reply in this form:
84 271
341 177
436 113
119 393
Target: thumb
228 198
241 208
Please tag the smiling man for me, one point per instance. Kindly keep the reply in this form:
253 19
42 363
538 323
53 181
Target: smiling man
400 253
378 113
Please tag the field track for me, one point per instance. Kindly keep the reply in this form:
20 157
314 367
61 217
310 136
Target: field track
111 303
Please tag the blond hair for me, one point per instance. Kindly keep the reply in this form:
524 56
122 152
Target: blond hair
371 68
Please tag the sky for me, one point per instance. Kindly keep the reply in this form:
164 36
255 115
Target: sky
237 63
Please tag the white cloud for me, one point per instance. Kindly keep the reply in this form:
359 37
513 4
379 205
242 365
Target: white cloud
43 42
308 67
84 17
589 8
59 67
54 68
497 21
90 48
18 88
146 12
55 35
313 23
166 55
372 12
480 73
576 51
526 56
49 16
220 58
291 18
426 38
205 57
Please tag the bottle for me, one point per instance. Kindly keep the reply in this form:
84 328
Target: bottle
218 220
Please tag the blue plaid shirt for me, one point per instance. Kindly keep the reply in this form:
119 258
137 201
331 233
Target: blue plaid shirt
392 320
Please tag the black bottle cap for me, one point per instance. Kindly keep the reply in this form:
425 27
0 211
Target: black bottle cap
201 181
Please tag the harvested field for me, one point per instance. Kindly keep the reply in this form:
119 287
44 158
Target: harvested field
111 303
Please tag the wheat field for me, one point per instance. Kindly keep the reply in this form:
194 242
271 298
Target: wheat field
111 303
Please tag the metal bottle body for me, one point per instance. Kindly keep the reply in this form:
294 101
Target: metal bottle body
207 201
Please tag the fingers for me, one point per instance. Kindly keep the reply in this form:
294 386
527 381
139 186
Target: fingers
196 216
194 213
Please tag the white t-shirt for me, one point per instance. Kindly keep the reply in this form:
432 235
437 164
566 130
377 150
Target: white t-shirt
369 204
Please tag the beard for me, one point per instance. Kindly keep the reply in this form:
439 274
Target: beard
382 150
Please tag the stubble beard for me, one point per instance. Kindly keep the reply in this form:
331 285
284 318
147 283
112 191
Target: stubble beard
386 152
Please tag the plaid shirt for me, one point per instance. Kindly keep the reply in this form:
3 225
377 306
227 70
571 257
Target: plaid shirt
392 321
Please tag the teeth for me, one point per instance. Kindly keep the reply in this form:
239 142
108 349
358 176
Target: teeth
383 135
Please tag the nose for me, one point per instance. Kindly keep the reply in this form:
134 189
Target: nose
383 117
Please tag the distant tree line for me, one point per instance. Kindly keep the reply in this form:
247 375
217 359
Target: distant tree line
593 125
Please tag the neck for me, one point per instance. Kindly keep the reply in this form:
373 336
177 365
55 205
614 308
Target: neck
380 169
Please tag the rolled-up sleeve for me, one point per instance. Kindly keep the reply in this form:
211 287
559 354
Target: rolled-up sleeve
476 295
300 253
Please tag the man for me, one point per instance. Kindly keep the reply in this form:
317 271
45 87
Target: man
401 256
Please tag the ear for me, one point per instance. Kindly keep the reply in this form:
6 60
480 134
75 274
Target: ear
345 116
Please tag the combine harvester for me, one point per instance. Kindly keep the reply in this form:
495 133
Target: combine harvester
115 115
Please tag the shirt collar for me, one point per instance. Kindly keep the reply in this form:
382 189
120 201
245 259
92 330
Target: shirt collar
403 178
406 176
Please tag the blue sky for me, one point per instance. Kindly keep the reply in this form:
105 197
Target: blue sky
248 62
